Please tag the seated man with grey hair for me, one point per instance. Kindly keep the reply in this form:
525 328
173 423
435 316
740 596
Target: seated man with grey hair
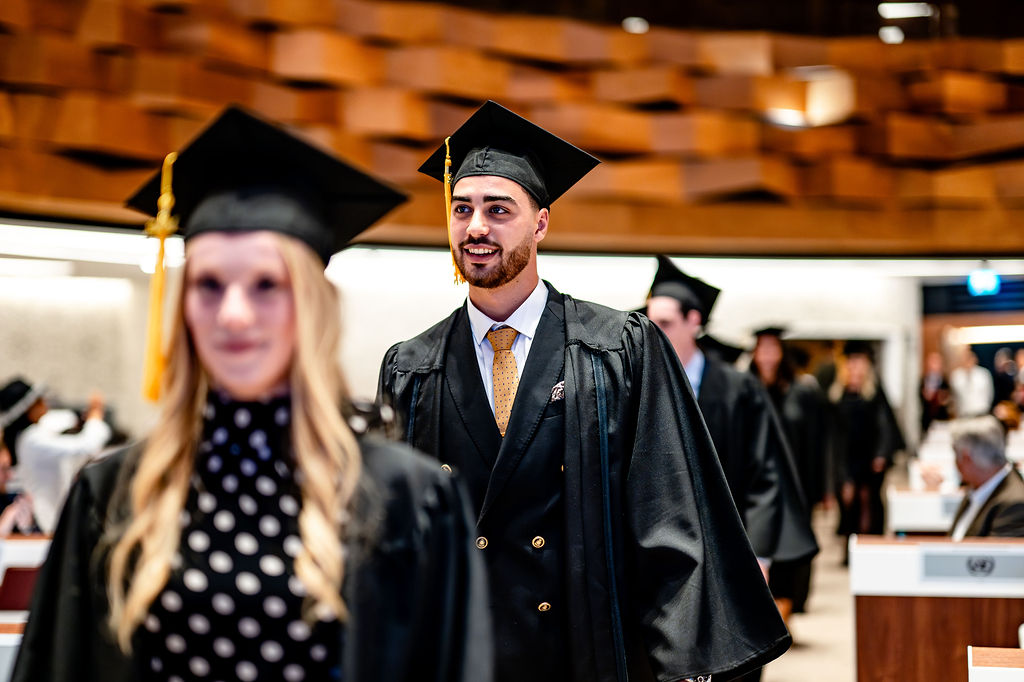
994 505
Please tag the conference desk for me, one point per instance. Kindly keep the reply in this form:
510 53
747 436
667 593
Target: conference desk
920 602
16 551
920 511
993 664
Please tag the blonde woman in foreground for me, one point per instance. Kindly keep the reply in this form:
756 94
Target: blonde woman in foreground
260 532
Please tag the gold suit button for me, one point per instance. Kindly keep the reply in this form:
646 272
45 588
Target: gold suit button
481 542
538 542
543 606
446 468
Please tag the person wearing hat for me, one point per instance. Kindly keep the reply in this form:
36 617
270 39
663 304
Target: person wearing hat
864 438
800 405
743 426
48 455
260 532
613 548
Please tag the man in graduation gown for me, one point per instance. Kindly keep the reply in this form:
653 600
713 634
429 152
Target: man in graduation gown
744 427
613 548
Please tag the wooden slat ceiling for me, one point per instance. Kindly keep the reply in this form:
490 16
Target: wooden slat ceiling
930 159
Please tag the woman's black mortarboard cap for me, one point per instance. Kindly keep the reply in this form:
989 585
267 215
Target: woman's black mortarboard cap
689 291
496 141
775 331
859 347
242 173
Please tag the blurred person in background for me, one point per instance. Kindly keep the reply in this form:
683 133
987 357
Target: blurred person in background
994 504
15 508
1004 376
800 405
935 392
47 453
864 438
972 386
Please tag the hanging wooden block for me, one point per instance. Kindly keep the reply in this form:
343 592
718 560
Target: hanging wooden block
448 70
597 127
315 55
704 133
957 92
643 85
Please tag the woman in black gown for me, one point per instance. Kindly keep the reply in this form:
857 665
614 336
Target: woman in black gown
865 437
800 405
260 532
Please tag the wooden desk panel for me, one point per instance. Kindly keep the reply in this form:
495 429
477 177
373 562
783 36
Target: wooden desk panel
926 638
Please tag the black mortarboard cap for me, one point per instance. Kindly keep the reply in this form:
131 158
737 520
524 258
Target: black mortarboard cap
858 347
496 141
242 173
723 351
689 291
775 331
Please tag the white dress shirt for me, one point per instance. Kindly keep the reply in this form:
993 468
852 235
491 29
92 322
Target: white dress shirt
49 459
524 320
695 371
972 390
978 499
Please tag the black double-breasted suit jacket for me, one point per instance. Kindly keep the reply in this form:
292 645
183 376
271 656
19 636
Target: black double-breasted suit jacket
613 544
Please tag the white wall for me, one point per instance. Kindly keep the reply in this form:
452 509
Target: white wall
79 333
392 294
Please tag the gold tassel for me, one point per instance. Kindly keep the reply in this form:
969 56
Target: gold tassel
459 279
160 227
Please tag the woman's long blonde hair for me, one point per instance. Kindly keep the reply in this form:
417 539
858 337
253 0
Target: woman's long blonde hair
326 455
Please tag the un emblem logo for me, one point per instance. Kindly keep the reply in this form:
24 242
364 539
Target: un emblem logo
980 565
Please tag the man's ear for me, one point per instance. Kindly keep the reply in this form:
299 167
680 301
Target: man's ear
693 317
541 230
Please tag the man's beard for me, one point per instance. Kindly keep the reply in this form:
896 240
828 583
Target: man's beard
506 270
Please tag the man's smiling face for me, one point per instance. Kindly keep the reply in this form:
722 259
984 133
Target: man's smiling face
496 226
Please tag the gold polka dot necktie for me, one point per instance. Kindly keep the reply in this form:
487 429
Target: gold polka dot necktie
504 373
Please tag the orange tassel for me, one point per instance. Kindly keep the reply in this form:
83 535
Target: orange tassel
160 227
459 279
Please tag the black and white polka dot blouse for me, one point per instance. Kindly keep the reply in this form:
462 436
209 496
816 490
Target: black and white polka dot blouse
231 609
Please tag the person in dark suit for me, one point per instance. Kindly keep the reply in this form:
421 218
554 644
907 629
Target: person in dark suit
994 504
613 548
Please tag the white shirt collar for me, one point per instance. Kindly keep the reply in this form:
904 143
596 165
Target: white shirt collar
985 490
524 320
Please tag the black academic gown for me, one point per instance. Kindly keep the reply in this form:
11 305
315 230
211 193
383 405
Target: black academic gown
802 409
415 592
863 428
659 580
758 465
